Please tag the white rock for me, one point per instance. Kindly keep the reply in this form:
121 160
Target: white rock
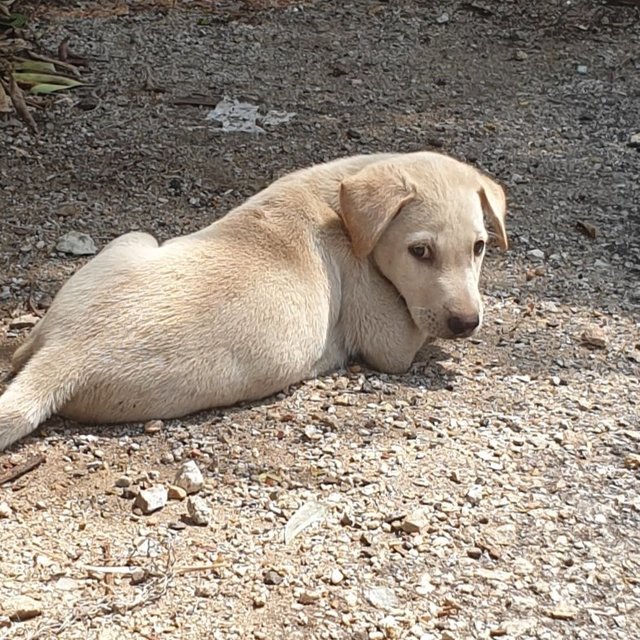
5 510
582 69
150 500
198 511
68 584
189 477
390 625
538 254
77 244
381 598
416 631
336 576
425 586
351 599
443 18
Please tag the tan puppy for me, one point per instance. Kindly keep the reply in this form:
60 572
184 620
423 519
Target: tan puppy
364 257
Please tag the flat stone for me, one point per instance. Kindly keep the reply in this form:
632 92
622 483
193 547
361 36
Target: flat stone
309 597
68 584
19 608
497 575
595 336
150 500
77 243
24 322
69 209
537 254
381 598
562 612
415 522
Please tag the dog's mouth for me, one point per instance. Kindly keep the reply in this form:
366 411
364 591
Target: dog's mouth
461 336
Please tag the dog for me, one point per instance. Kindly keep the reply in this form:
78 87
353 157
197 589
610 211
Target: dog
366 257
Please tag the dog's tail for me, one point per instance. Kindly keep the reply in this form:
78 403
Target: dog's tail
40 389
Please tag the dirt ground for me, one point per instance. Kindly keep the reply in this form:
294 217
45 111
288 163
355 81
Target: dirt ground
491 492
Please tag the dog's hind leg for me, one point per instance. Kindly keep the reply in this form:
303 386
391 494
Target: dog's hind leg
38 391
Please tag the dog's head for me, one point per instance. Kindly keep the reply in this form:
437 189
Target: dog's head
420 219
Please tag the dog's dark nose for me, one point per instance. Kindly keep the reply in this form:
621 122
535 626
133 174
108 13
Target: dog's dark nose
463 325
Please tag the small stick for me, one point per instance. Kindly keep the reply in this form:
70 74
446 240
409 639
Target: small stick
63 49
17 97
21 469
181 571
106 550
125 571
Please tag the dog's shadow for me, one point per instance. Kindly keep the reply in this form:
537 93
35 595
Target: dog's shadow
427 373
430 369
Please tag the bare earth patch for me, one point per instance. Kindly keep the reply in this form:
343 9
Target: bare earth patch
491 492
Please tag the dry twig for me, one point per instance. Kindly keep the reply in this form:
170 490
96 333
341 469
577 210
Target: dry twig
21 469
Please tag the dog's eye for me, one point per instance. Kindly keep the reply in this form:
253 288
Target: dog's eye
420 251
478 248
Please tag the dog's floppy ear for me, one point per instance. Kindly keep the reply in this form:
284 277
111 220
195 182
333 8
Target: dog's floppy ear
369 201
494 205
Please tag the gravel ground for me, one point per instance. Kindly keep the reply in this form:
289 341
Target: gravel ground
493 490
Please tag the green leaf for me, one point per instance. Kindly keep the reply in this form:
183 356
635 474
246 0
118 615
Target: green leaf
35 65
24 77
44 88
